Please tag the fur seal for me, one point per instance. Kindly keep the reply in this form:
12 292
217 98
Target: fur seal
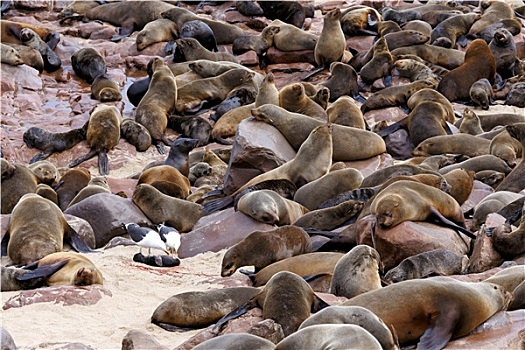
345 112
199 309
136 134
191 96
29 56
159 101
47 192
479 63
11 32
160 208
360 19
268 92
479 163
296 127
97 184
45 171
331 44
192 49
493 11
293 98
357 272
503 47
178 156
236 340
451 29
425 95
259 43
405 37
30 38
226 126
330 218
470 123
271 246
465 144
164 178
481 93
199 30
511 279
286 298
72 182
447 58
269 207
289 12
440 262
103 134
490 177
455 308
461 182
516 95
156 31
342 81
380 65
513 25
105 89
88 64
10 55
326 336
192 127
49 142
17 180
491 204
414 70
37 228
507 148
291 38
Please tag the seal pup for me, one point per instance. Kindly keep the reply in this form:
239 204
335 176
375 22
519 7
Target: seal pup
103 134
479 63
286 298
292 13
331 44
154 108
88 64
199 30
357 272
105 89
342 81
178 156
259 43
46 172
199 309
271 246
335 336
37 228
97 184
455 308
380 66
355 315
236 341
482 94
136 134
50 143
193 127
293 98
30 38
332 217
438 262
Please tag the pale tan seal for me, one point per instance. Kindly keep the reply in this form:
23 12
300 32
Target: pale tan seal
465 144
29 56
455 308
236 341
262 248
380 65
447 32
507 148
268 92
293 98
47 192
326 219
45 171
156 31
345 112
491 204
461 183
431 95
17 180
291 38
447 58
162 177
10 55
193 50
470 123
78 271
357 272
331 44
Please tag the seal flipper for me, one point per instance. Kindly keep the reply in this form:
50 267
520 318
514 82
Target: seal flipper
392 128
103 163
217 204
387 80
441 328
159 145
450 224
5 242
318 304
76 242
462 41
241 310
124 31
40 156
83 158
172 328
43 271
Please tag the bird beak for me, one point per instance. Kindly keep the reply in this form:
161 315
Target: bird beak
167 252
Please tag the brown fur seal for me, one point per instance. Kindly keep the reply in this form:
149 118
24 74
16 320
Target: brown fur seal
160 208
37 228
192 49
51 60
29 56
294 99
379 66
105 89
461 182
259 43
493 11
455 308
97 184
314 193
45 171
330 336
191 96
49 142
490 177
425 95
491 204
192 127
479 63
291 38
10 55
357 272
503 47
342 81
331 44
345 112
360 19
405 38
507 148
156 31
238 341
355 315
268 92
466 144
88 64
159 101
47 192
303 265
17 180
296 127
511 279
470 123
269 207
11 31
286 298
414 70
226 126
163 176
136 134
199 30
447 32
290 12
326 219
481 93
479 163
447 58
440 262
72 182
200 309
103 134
271 246
78 271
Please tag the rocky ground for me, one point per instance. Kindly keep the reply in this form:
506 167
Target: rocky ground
100 317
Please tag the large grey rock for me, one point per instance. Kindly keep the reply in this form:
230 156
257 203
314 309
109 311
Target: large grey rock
258 148
6 340
106 213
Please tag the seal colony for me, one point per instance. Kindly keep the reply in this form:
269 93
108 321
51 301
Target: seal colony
326 194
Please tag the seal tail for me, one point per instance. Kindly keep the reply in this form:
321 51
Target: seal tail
83 158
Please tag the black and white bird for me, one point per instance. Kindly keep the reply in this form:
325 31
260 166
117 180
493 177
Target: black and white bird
145 237
170 236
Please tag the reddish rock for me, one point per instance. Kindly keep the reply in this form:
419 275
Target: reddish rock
218 231
64 295
409 238
83 228
484 256
368 166
479 191
267 329
137 339
125 185
34 5
24 76
277 56
258 147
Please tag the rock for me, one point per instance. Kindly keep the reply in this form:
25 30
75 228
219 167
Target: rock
67 295
122 185
409 238
398 145
156 49
83 228
479 191
63 346
86 29
484 256
6 340
277 56
24 76
258 148
368 166
106 213
390 115
360 42
34 5
218 231
268 329
137 339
